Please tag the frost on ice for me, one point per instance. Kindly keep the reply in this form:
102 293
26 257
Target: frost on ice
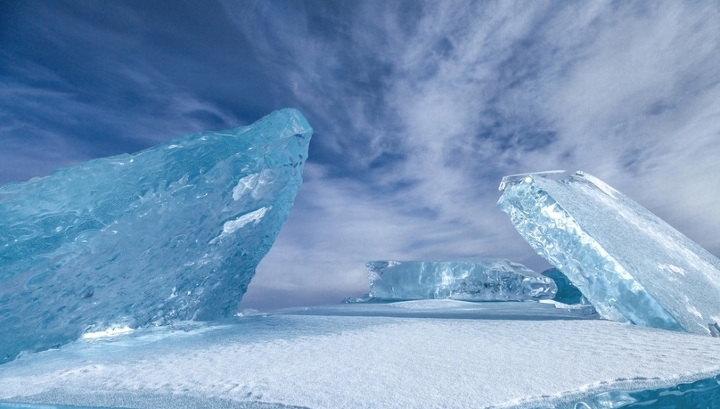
630 264
485 279
170 233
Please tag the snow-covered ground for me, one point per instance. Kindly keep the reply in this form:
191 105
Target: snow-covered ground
426 354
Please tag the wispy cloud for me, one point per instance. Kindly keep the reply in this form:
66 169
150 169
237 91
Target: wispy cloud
627 92
96 80
419 109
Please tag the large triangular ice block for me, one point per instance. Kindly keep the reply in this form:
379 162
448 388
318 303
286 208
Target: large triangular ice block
630 264
170 233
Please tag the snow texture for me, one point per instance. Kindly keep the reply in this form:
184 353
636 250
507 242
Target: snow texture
173 232
630 264
447 308
484 279
316 361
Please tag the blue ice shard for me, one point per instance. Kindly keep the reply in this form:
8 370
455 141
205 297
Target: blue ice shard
173 232
483 279
630 264
567 293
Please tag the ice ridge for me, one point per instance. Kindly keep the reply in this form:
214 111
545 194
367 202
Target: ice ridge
630 264
482 279
173 232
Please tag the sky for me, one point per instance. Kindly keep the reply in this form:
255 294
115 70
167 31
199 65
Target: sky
419 109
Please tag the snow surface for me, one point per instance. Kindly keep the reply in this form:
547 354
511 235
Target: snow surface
323 361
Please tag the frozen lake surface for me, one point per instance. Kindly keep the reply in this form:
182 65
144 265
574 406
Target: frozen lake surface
428 354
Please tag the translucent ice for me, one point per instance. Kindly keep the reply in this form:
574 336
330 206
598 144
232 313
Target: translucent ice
486 279
170 233
629 264
567 293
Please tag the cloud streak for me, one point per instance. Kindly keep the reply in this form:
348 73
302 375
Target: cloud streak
419 108
626 92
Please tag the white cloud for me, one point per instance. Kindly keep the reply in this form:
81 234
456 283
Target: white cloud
613 84
647 91
41 139
455 93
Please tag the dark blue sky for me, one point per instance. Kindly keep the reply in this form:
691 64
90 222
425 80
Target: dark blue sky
419 108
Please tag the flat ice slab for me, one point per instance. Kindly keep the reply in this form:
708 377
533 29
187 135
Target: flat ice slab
481 279
318 361
630 264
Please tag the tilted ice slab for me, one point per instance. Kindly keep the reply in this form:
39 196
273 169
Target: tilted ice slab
363 362
630 264
484 279
170 233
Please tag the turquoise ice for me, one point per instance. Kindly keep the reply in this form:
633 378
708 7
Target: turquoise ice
567 293
630 264
483 279
170 233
